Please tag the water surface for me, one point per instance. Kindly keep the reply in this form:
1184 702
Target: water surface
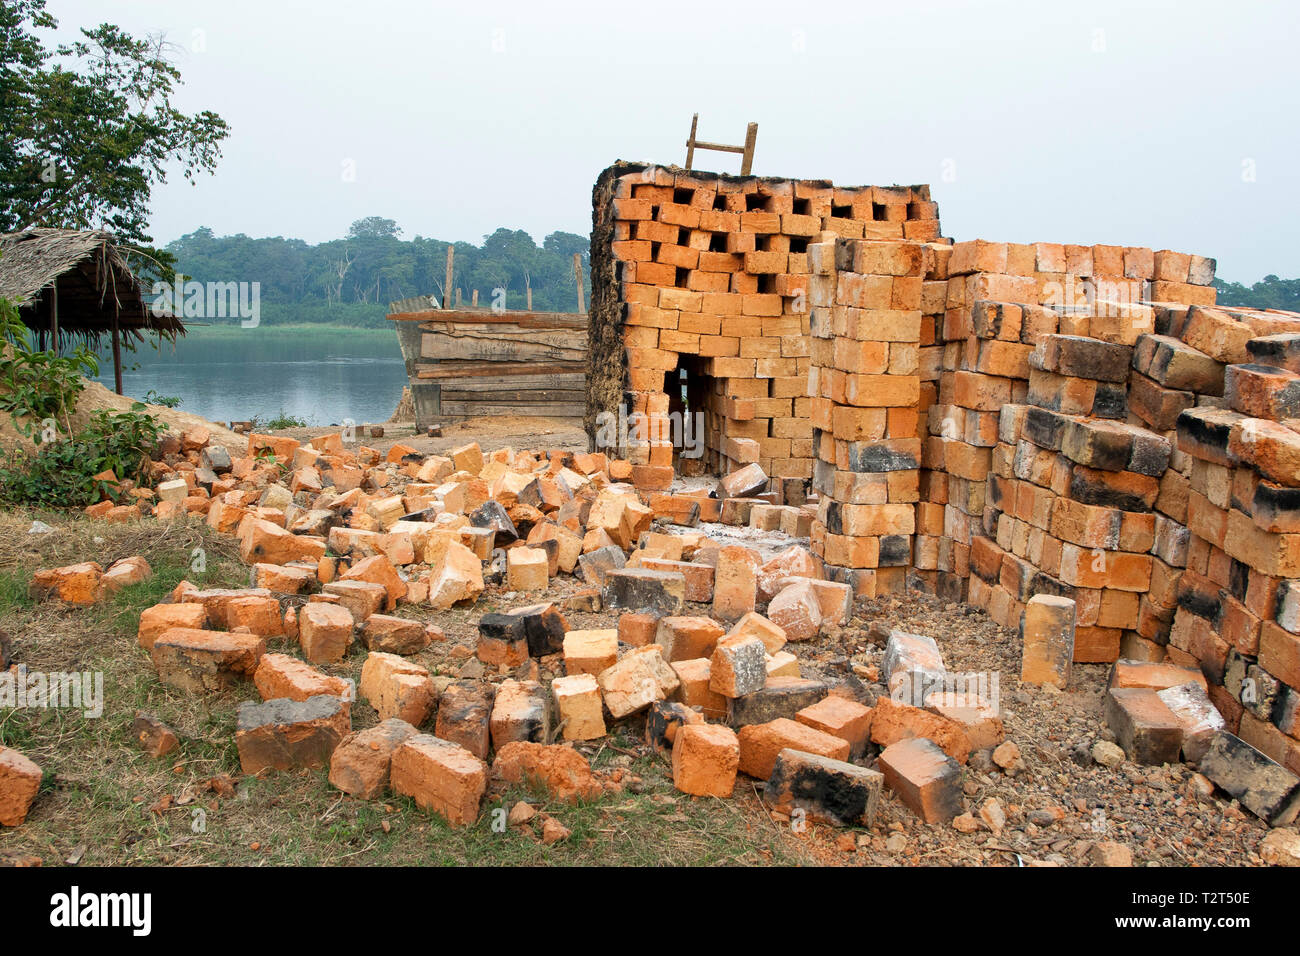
323 375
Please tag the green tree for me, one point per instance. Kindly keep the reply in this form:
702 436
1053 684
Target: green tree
89 128
374 227
350 281
1269 293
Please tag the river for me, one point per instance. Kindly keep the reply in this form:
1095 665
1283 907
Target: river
320 374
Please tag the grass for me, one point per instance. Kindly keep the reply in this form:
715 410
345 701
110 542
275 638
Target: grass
278 422
105 800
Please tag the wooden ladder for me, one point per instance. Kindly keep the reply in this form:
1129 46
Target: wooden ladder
746 151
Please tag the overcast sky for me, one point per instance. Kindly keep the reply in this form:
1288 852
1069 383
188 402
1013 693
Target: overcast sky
1172 125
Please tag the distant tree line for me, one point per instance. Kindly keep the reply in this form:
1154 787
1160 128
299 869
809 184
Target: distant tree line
1269 293
350 281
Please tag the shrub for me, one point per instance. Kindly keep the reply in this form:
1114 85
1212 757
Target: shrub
37 385
61 473
166 401
279 421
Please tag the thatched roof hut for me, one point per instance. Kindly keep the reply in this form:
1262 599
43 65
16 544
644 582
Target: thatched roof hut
75 286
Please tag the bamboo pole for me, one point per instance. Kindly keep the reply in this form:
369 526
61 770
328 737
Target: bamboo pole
117 352
54 316
577 275
446 289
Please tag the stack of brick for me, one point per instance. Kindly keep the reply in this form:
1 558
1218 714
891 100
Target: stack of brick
711 307
865 386
929 543
1080 498
1235 603
1073 497
990 322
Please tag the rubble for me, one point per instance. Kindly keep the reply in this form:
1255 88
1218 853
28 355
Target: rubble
286 734
20 781
153 736
360 763
705 759
440 776
558 769
828 791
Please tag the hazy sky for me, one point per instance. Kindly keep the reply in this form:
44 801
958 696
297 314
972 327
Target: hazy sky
1172 125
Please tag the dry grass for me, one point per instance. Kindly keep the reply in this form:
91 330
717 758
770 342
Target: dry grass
100 792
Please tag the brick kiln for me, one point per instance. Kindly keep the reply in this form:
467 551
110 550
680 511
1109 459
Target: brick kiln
699 305
995 422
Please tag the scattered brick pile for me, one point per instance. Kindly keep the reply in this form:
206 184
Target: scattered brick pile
342 542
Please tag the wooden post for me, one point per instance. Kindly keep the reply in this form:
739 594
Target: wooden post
446 289
690 142
747 161
117 353
528 297
54 316
458 297
473 301
577 275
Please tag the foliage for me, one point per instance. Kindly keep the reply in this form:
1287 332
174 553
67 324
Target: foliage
277 422
350 281
36 385
166 401
1269 293
91 127
62 473
374 227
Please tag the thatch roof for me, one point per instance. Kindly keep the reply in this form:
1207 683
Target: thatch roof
94 285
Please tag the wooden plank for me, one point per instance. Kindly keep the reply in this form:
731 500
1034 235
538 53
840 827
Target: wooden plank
573 382
445 370
700 144
530 346
564 338
528 396
486 387
530 320
541 410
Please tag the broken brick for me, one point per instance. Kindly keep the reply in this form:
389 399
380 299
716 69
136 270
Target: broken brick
827 791
285 734
440 776
705 759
